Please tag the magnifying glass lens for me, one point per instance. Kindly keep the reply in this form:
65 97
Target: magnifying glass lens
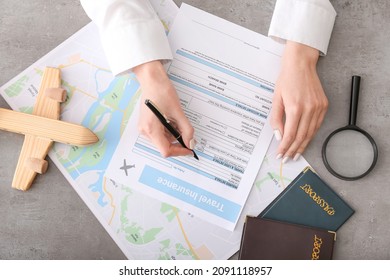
349 153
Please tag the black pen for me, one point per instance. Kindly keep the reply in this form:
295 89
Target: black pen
166 123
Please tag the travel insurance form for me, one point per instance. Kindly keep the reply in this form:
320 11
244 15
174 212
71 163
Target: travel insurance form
224 75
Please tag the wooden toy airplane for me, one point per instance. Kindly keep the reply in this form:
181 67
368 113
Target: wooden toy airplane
41 129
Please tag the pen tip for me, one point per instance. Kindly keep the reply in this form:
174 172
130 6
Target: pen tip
195 155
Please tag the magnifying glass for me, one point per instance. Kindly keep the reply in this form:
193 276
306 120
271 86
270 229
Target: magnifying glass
350 153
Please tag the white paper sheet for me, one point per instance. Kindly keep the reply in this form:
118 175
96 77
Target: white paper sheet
224 75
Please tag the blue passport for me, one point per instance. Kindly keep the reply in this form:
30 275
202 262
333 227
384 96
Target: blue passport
309 201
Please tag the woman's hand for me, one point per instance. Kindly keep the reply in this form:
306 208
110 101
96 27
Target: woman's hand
300 99
157 87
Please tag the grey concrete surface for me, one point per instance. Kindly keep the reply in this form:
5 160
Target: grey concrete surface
52 222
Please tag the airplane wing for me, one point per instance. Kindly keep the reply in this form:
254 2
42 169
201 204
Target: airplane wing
46 104
31 161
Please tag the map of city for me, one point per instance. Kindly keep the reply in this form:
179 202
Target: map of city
144 228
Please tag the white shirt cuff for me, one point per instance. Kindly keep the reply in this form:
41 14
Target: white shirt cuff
309 22
135 44
131 32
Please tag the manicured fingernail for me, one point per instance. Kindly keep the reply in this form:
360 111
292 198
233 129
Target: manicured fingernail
192 143
285 159
279 156
277 134
297 156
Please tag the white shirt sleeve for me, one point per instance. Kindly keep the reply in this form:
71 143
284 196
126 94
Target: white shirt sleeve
130 31
309 22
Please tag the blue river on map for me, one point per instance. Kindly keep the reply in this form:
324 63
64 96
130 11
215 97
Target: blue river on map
112 131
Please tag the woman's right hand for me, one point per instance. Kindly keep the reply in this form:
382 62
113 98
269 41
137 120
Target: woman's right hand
157 87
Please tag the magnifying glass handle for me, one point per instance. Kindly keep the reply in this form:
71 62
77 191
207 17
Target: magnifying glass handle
354 100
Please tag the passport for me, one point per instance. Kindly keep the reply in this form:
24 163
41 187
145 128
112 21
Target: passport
264 239
309 201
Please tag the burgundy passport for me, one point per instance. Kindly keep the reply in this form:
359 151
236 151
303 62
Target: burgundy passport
264 239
